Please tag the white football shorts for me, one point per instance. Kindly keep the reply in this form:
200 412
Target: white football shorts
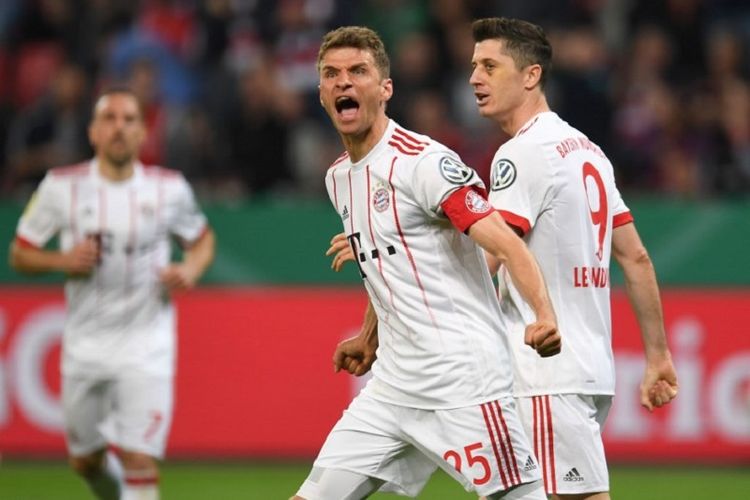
483 447
131 413
566 432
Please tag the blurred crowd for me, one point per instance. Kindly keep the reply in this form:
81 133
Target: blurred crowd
229 87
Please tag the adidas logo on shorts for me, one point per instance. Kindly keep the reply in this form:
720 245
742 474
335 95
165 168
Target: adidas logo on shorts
530 465
573 476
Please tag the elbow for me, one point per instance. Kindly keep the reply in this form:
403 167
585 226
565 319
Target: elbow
14 259
637 258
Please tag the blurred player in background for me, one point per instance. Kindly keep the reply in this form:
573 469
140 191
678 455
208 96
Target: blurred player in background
441 389
115 218
556 188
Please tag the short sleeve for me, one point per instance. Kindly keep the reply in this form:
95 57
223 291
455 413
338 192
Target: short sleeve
42 217
621 211
519 184
439 174
190 222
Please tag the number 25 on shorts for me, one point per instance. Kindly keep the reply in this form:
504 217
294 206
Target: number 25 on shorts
471 459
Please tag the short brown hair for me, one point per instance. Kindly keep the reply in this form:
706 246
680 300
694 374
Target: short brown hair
357 37
119 89
525 42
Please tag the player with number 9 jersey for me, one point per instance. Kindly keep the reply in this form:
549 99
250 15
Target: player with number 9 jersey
558 187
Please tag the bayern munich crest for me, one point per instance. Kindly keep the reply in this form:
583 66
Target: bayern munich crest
503 174
454 171
381 200
475 203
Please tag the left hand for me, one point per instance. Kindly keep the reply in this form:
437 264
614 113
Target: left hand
543 336
659 385
177 277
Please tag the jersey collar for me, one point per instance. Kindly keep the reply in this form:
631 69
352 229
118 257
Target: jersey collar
379 147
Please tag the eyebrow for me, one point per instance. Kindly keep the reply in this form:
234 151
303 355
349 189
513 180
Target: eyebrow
350 68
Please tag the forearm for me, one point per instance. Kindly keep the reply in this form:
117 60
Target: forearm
34 260
643 293
369 332
505 247
199 256
529 281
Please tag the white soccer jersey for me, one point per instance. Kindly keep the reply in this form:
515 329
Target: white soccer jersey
119 317
559 188
439 319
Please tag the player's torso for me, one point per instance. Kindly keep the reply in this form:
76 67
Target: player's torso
571 240
129 219
428 282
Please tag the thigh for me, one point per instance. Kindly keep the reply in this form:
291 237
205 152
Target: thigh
566 432
483 447
368 441
142 415
86 404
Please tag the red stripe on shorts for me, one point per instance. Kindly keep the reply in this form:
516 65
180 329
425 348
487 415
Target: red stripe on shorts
494 446
514 469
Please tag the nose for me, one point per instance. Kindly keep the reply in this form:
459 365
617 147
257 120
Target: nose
474 77
343 81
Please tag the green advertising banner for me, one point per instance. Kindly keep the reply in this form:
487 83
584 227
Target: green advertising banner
278 243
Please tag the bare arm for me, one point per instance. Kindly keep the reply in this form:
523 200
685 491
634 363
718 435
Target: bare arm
79 260
357 354
196 259
499 240
659 385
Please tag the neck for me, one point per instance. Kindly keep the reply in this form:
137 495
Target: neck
115 172
359 145
512 123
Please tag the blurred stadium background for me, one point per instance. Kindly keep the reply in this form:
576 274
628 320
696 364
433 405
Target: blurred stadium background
230 94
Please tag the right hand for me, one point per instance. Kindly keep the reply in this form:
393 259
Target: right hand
83 257
343 250
354 355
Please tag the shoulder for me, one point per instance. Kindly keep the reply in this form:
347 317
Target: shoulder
519 150
168 178
409 143
338 161
156 171
69 171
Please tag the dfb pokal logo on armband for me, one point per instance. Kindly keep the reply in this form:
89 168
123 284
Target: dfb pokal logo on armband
476 203
381 199
503 174
454 171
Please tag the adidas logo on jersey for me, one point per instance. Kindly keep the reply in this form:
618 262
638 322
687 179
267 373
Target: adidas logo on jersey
345 213
530 464
573 476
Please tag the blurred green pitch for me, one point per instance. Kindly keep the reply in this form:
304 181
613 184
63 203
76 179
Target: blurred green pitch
48 480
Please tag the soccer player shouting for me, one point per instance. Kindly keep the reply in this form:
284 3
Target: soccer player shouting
441 388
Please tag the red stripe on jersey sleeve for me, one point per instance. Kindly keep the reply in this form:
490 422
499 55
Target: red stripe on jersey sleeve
24 243
516 221
622 219
465 206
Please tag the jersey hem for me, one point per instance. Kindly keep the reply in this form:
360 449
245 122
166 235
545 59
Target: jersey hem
447 406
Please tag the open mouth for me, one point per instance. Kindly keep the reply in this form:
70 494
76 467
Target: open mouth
346 106
482 98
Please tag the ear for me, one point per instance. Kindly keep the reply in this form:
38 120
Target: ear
386 89
533 76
